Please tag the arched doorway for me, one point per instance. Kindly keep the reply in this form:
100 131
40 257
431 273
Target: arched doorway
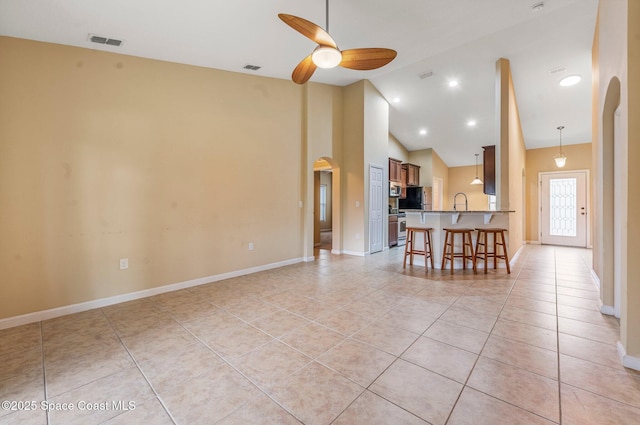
326 209
611 201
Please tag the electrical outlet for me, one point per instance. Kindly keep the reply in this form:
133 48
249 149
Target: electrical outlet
124 263
357 235
250 246
357 204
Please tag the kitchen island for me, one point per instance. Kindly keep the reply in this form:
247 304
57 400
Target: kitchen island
454 219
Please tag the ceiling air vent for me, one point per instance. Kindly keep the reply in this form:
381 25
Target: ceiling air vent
252 67
425 74
557 70
104 40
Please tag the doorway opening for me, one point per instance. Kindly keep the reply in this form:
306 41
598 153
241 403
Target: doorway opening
323 217
611 204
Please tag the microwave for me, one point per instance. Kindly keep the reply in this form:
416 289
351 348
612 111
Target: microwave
394 190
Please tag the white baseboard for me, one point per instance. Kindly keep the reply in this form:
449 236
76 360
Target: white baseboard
309 259
37 316
596 279
515 256
607 309
627 360
357 254
336 251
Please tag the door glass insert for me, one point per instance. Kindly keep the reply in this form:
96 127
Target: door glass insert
563 206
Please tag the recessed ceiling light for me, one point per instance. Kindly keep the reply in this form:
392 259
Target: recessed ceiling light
570 80
396 99
423 132
471 123
453 83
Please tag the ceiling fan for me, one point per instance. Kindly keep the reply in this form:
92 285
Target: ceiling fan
327 54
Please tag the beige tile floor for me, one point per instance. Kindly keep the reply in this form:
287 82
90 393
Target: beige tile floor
342 340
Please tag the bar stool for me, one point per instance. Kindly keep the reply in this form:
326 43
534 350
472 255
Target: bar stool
498 240
410 249
448 253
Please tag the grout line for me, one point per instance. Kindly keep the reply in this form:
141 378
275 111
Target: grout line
135 361
555 258
475 363
44 371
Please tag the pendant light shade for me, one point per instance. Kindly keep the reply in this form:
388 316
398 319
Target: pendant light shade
477 179
560 158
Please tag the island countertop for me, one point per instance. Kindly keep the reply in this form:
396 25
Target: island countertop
458 211
439 220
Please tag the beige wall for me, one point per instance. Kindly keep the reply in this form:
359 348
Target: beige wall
323 105
353 184
541 160
376 149
510 156
617 230
423 158
460 181
440 170
631 304
397 150
175 167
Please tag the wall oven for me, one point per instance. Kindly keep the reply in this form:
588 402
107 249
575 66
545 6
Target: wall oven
402 229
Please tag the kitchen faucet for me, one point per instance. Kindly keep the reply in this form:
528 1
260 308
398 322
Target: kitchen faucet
466 204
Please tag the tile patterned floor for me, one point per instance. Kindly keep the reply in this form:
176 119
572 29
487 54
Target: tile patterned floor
342 340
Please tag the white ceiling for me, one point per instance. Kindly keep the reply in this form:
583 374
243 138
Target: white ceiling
459 39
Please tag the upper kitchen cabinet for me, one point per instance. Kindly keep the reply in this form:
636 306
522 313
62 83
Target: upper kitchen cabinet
489 169
394 170
412 175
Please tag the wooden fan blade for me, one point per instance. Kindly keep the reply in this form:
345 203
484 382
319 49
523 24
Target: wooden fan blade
308 29
366 59
303 71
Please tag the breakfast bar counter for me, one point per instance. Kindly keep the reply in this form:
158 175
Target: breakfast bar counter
453 219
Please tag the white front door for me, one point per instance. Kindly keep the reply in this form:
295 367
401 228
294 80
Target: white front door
376 192
563 208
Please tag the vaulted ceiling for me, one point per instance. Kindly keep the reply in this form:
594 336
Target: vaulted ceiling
437 41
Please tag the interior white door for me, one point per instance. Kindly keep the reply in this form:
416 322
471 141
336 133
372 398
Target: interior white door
563 208
376 208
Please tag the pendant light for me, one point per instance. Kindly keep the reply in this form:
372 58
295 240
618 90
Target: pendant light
477 179
560 159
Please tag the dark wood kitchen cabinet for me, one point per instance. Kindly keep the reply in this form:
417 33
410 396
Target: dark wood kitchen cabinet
413 174
395 167
489 169
403 182
393 230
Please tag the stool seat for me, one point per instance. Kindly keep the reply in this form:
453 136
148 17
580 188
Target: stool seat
483 243
449 253
410 249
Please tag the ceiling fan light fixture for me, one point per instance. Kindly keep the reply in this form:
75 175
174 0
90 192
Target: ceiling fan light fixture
326 57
